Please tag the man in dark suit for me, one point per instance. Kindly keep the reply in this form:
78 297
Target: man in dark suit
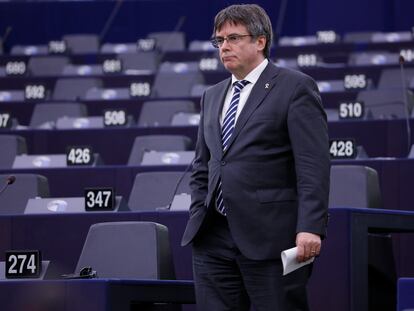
260 178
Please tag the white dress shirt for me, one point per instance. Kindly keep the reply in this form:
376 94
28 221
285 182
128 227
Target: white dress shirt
252 77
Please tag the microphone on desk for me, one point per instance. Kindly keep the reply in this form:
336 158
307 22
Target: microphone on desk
281 17
5 36
9 180
177 27
405 99
110 20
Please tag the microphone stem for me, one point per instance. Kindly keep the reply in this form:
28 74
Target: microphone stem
407 113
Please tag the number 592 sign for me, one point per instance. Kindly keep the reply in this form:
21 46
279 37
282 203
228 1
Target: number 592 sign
23 264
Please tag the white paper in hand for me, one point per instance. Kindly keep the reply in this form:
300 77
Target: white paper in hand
289 260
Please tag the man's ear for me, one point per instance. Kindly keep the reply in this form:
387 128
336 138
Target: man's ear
261 43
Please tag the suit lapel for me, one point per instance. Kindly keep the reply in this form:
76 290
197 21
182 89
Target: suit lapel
218 101
259 92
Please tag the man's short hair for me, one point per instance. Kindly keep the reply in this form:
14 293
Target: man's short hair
252 16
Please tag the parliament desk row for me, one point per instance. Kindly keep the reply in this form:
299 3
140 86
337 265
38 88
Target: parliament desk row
340 275
117 80
380 138
338 51
405 296
396 178
22 111
94 295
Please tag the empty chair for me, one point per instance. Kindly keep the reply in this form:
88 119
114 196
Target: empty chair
156 189
74 89
46 115
287 62
128 250
198 89
332 114
29 50
143 144
358 37
358 186
12 96
26 186
47 65
82 43
200 46
386 104
82 70
185 119
179 67
173 85
381 37
361 153
411 154
169 41
11 145
118 48
354 186
96 93
373 58
391 78
331 86
138 63
161 113
298 41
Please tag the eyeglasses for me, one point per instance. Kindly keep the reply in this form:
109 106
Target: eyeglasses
231 39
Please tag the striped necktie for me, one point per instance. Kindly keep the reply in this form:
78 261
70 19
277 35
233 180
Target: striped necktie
227 130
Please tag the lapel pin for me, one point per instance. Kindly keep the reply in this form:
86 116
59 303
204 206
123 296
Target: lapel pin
267 85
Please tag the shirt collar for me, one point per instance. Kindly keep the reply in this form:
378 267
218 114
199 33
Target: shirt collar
253 75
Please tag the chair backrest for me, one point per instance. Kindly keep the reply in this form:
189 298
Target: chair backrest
44 113
107 94
154 190
29 50
26 186
161 113
128 250
74 89
391 78
157 143
354 186
11 145
175 84
169 41
200 46
358 37
82 43
411 153
373 58
140 61
386 103
47 65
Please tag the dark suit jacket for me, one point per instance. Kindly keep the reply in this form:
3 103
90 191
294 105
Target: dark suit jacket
275 171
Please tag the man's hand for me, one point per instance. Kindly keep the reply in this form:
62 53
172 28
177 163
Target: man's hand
309 245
